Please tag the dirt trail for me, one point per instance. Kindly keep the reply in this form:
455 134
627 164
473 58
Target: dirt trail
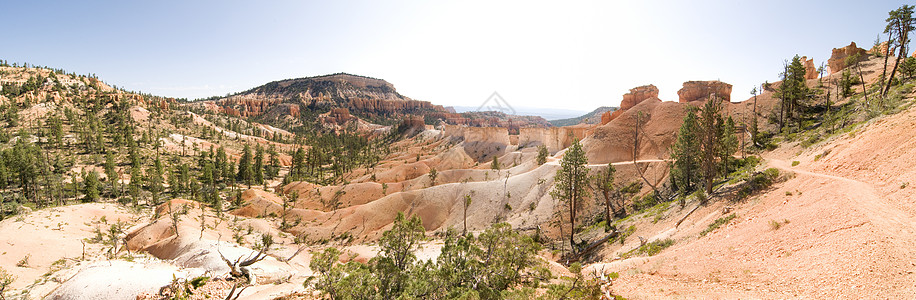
897 224
556 162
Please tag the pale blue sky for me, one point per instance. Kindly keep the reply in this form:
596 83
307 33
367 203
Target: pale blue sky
566 54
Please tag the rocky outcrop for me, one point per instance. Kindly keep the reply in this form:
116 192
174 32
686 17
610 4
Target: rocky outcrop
702 90
878 50
837 61
338 116
810 69
606 117
635 96
411 125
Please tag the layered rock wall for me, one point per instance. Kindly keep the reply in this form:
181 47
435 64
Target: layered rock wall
554 138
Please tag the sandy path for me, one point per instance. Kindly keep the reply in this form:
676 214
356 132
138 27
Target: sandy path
897 224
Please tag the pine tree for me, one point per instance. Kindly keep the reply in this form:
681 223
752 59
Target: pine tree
154 179
571 184
728 144
900 23
221 165
110 172
134 186
686 154
297 171
91 186
542 155
793 90
245 170
133 153
258 167
273 166
710 140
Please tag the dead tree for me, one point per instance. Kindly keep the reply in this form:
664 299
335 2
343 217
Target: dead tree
240 267
637 128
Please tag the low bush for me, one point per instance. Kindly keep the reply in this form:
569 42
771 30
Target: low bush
717 223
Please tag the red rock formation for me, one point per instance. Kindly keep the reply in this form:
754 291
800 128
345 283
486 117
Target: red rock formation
339 116
635 96
412 124
701 90
879 49
638 94
810 69
606 117
294 110
837 61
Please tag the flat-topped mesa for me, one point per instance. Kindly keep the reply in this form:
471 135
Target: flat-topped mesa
635 96
837 61
810 69
702 90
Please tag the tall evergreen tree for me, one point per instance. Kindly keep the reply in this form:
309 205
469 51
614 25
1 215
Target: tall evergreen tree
900 23
91 186
154 180
258 167
273 165
728 144
110 172
245 171
571 184
710 140
221 165
792 91
134 187
685 154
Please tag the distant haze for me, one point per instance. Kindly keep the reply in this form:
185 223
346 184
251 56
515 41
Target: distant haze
546 113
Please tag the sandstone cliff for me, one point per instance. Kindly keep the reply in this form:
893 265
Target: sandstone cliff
554 138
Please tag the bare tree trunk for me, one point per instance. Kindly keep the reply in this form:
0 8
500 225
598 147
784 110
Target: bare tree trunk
901 54
887 54
639 171
862 79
